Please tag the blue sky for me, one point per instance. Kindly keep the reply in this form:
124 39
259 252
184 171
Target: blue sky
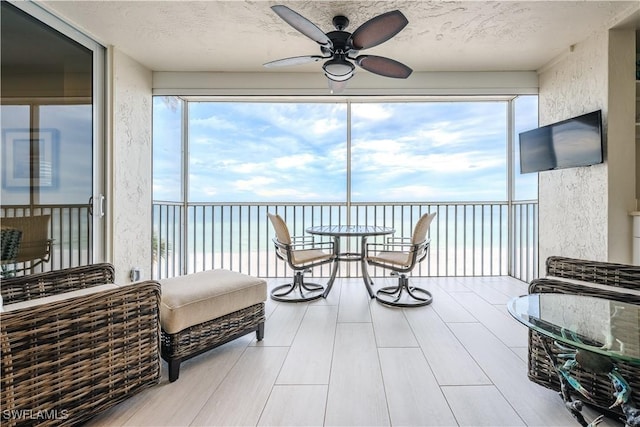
297 152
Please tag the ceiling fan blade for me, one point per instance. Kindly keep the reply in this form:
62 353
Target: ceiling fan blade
337 87
302 24
378 30
295 60
384 66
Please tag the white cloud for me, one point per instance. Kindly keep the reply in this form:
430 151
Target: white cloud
371 111
245 168
208 191
295 161
213 122
437 137
253 184
386 146
446 163
326 125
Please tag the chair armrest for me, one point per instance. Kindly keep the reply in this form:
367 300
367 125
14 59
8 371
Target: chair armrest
402 243
302 239
24 288
299 243
394 239
91 351
377 247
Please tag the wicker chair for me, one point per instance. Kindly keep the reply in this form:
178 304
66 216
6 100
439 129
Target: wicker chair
73 344
301 253
401 255
598 279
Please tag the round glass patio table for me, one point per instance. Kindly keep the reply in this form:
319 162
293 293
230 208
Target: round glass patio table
362 231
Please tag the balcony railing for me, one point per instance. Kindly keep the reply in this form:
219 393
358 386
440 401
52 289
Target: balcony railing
467 238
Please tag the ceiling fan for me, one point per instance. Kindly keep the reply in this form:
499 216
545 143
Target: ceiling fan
340 48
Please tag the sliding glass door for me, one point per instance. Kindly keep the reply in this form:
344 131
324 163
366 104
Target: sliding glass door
51 118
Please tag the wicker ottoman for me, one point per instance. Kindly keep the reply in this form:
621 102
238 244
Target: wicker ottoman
203 310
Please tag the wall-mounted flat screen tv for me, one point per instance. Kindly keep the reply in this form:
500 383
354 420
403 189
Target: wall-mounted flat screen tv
567 144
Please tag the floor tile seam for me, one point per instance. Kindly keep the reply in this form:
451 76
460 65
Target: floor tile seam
505 397
333 352
495 387
222 380
506 344
447 325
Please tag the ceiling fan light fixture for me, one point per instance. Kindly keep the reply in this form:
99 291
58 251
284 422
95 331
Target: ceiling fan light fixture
338 69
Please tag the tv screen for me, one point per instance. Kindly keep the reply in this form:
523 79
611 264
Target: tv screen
570 143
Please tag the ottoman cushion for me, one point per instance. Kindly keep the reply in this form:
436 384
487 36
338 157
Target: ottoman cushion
199 297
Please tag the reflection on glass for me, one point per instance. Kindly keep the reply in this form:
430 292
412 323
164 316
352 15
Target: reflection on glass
47 133
47 122
597 324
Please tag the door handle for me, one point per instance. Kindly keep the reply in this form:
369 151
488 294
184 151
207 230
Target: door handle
101 206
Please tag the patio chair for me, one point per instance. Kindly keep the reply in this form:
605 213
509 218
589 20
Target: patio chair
34 246
401 255
301 253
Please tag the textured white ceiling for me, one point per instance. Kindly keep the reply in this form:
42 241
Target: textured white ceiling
228 36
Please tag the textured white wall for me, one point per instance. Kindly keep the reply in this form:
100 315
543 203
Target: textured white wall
584 212
130 167
573 202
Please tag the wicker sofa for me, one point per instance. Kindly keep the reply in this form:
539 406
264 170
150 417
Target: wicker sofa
74 344
599 279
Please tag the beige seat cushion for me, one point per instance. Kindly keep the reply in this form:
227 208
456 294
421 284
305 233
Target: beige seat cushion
196 298
304 256
394 258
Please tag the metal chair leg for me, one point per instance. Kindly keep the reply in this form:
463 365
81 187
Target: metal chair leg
297 291
404 295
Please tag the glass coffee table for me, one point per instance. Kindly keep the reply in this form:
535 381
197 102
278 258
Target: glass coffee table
593 333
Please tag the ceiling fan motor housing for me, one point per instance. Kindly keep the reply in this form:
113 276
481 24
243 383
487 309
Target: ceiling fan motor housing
338 68
341 48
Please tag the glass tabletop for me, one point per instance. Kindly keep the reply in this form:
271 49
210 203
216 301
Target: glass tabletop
350 230
600 325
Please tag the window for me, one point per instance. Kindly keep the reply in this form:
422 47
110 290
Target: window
221 165
257 152
310 151
429 151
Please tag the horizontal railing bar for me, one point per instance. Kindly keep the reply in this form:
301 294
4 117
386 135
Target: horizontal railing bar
499 203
